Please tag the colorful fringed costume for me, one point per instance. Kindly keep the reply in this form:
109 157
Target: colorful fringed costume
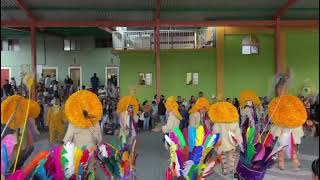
198 114
118 162
61 162
250 108
190 153
56 121
84 110
288 116
225 118
174 115
127 109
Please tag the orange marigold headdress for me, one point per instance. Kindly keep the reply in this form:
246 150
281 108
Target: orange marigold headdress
171 104
249 95
83 109
287 111
223 112
18 105
125 102
200 104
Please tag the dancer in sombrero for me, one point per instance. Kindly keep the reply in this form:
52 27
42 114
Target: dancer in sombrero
198 114
250 109
127 109
84 110
173 114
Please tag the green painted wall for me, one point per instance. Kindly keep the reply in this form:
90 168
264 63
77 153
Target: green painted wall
174 66
91 59
303 59
131 64
253 72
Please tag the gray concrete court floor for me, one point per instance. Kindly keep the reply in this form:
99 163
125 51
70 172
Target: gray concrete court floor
153 159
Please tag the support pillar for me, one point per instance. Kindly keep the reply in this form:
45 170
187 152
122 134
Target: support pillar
157 48
34 60
277 46
220 63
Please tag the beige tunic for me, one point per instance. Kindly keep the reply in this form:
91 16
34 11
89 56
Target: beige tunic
296 132
172 122
81 136
223 129
194 119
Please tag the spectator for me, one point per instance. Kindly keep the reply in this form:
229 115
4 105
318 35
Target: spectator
73 88
213 99
185 103
13 83
40 118
53 77
185 117
154 116
146 108
8 91
307 106
47 81
179 100
228 100
200 94
236 104
102 92
41 79
192 100
95 82
83 87
315 169
162 110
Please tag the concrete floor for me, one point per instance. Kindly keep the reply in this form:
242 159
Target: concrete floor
153 159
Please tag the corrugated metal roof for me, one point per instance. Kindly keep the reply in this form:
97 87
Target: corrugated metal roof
141 10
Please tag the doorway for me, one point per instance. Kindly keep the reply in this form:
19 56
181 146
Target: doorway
49 71
112 75
5 74
76 75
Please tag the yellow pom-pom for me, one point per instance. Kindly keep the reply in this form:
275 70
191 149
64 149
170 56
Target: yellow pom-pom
287 111
83 109
14 104
125 156
172 105
28 80
125 102
249 95
223 112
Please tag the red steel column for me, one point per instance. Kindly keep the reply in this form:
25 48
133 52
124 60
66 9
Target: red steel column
157 48
277 46
34 60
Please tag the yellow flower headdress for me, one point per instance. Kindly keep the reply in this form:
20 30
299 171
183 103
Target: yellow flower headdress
18 105
200 104
83 109
171 104
223 112
125 102
249 95
287 111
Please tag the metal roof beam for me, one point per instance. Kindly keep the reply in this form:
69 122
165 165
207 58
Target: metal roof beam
301 23
24 8
284 8
107 29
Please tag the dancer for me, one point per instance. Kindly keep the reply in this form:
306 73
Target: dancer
288 116
55 122
225 118
127 109
198 114
250 109
173 115
84 110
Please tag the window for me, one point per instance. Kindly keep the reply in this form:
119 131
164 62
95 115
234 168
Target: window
145 79
70 45
250 45
103 42
192 78
10 45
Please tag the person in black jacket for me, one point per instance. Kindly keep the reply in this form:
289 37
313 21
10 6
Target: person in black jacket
162 110
316 117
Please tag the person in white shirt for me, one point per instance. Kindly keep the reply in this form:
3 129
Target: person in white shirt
13 83
47 81
41 79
